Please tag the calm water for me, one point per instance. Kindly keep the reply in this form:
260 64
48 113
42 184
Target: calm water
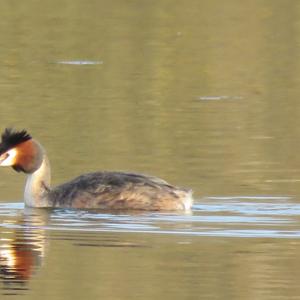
202 93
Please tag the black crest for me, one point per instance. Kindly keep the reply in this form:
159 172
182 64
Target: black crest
11 138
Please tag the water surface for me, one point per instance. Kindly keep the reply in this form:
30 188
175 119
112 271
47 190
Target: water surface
204 94
209 252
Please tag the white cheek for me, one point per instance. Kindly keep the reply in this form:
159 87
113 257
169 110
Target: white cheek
11 159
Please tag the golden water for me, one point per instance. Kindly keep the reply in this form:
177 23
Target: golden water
204 94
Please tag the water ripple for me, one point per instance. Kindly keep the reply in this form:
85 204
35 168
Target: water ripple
80 62
237 216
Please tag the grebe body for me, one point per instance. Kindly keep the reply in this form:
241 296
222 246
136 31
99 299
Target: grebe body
102 190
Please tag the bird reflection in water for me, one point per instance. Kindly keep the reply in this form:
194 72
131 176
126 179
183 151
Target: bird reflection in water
21 251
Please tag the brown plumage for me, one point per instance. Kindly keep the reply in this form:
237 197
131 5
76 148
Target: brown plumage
102 190
116 190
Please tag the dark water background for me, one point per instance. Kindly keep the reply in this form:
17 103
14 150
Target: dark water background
202 93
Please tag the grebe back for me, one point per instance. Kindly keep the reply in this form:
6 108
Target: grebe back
103 190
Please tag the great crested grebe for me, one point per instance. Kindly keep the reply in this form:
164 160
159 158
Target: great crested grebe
103 190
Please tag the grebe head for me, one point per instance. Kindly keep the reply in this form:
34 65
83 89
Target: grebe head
20 151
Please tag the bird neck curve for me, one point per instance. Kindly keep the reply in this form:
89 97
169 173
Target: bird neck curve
38 185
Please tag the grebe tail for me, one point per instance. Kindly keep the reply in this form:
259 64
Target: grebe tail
102 190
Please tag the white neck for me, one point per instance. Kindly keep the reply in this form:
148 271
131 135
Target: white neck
37 185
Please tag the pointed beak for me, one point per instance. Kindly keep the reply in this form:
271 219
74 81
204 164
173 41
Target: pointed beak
3 157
